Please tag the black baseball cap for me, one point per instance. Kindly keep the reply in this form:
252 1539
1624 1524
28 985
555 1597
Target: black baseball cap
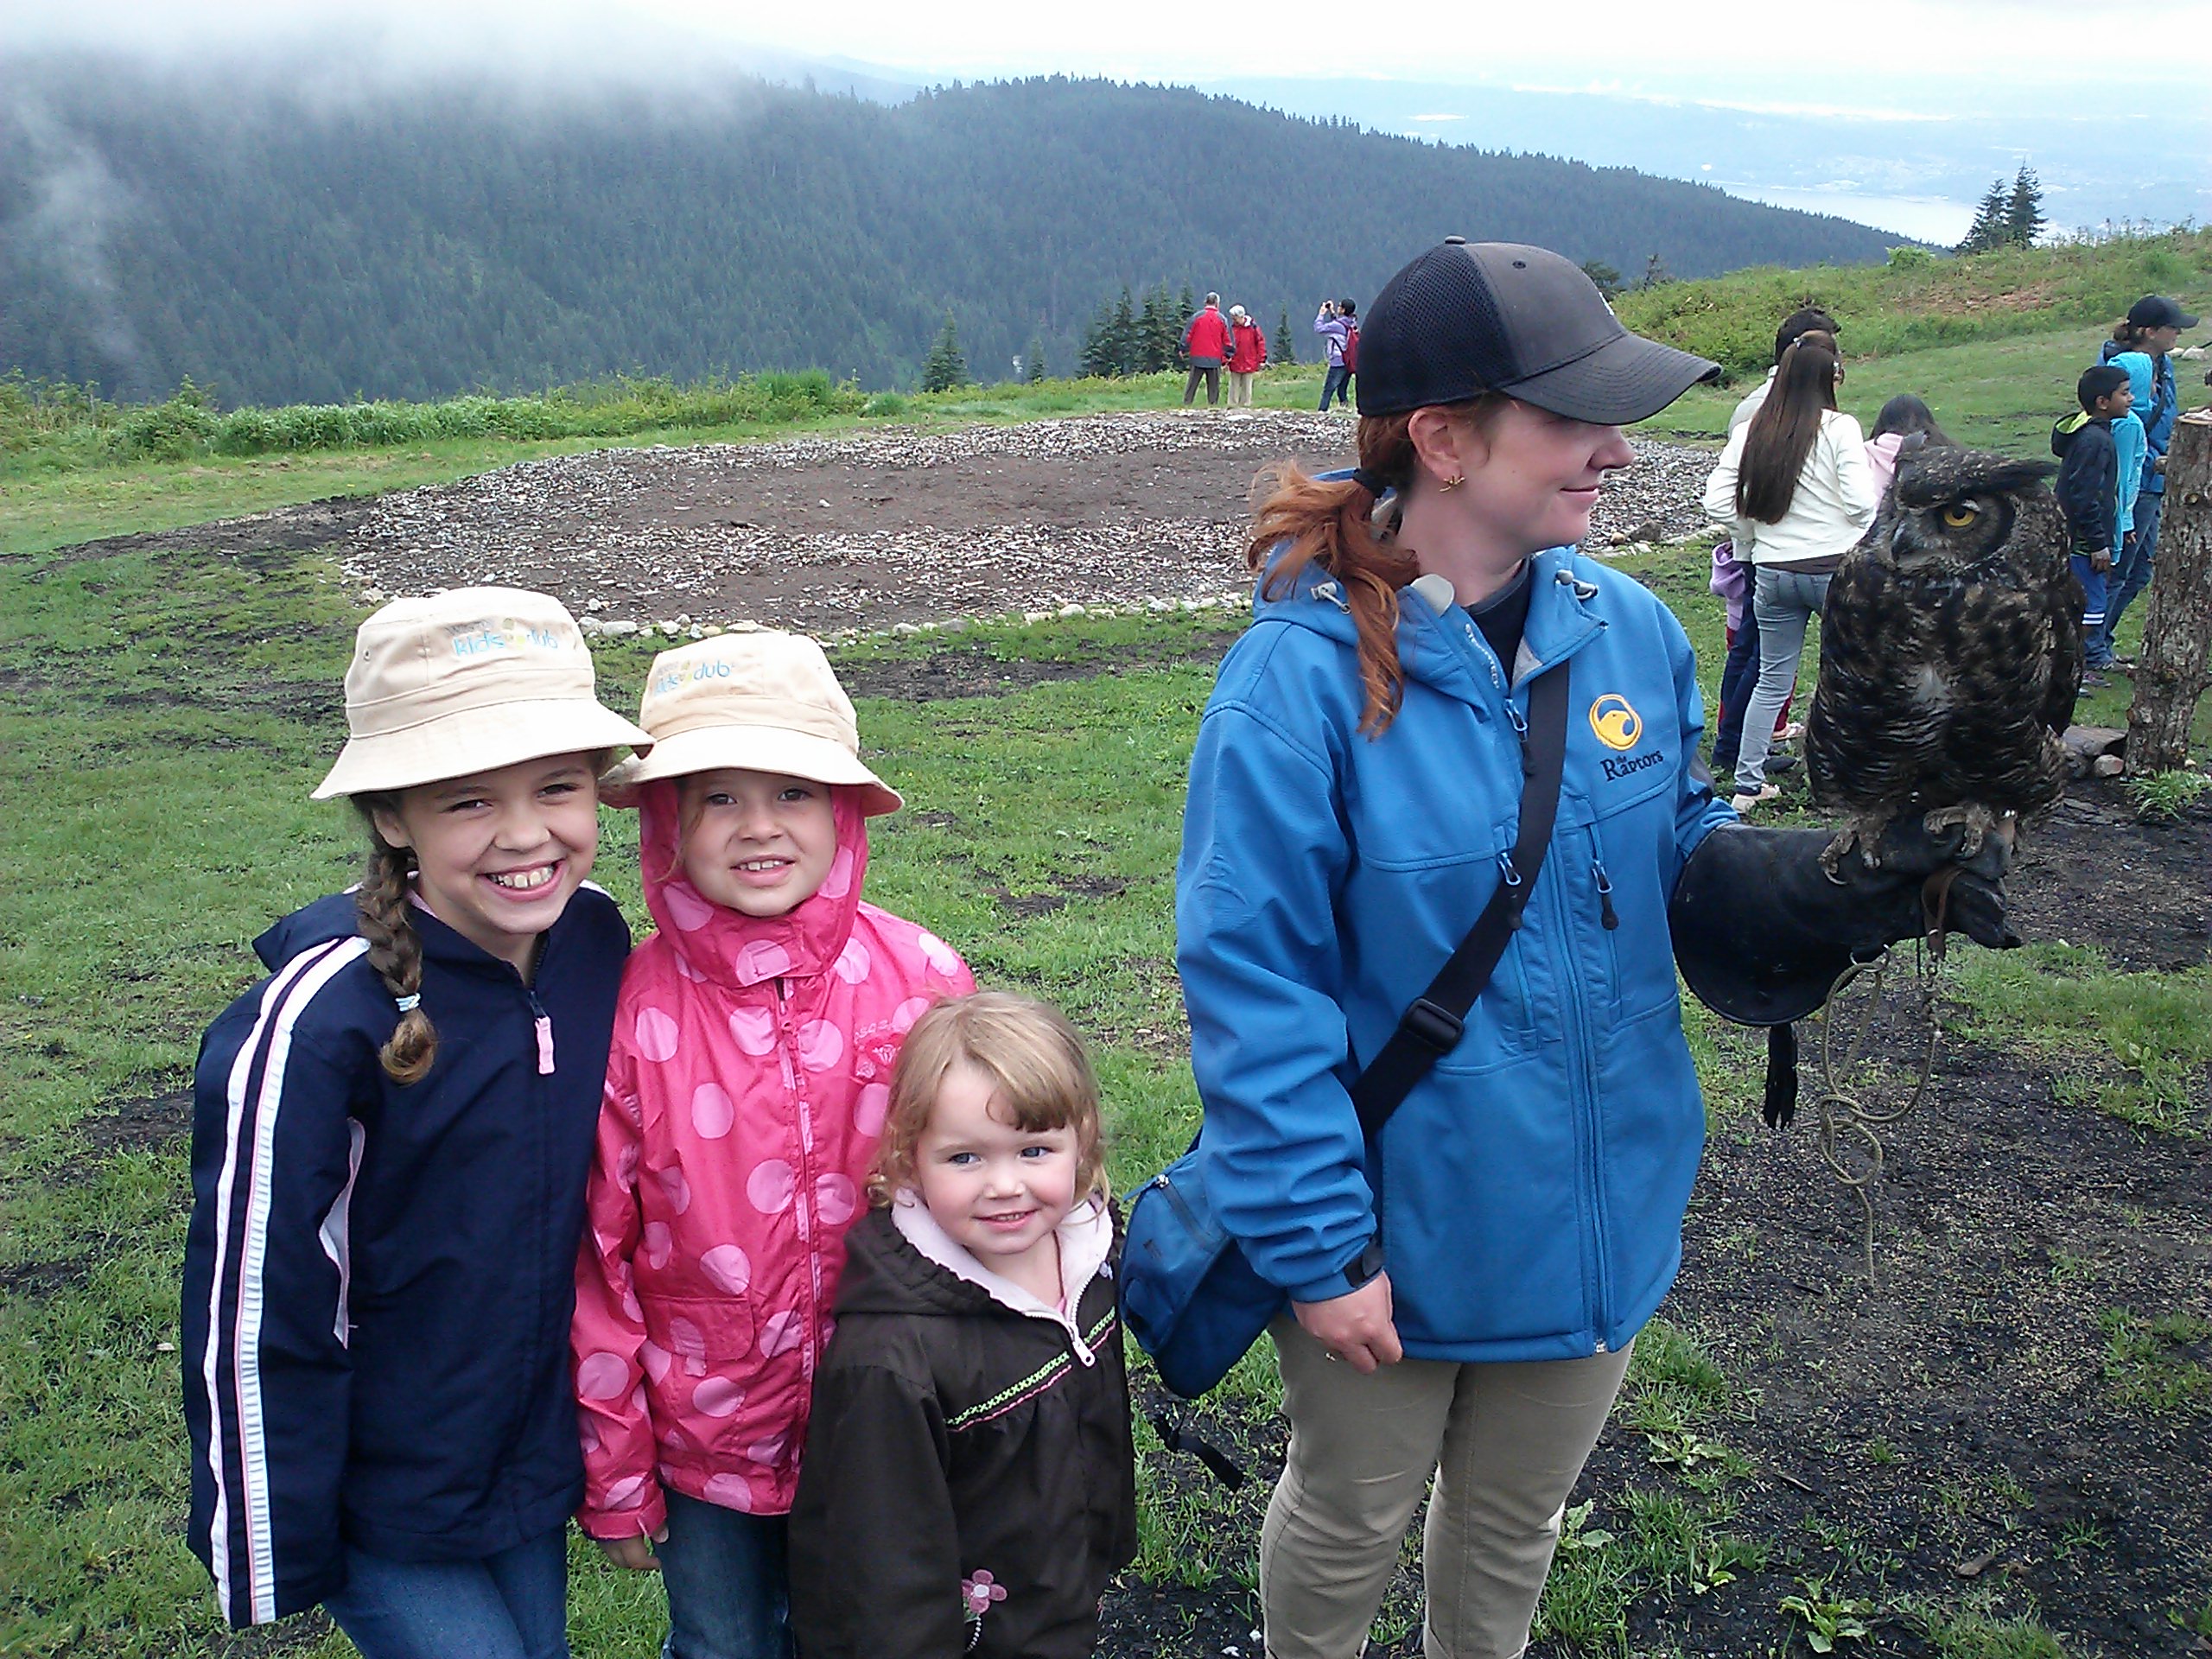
2151 311
1470 317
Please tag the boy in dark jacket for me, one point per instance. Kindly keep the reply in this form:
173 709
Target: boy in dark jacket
2088 479
969 1480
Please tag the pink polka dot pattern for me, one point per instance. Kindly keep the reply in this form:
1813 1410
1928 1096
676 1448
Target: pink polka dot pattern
586 1433
684 1337
656 1035
627 1493
942 956
767 1453
674 1188
749 1082
686 908
821 1045
754 1031
872 1107
769 1187
834 1200
712 1111
728 1267
731 1492
717 1396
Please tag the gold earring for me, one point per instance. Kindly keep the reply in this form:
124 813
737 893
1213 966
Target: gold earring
1453 482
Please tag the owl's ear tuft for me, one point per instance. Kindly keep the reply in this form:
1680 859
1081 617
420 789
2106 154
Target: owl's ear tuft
1938 474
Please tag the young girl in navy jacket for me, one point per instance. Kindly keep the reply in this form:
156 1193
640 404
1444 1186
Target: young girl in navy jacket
389 1152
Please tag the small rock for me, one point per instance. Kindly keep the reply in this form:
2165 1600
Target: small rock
904 627
820 504
695 631
1070 609
709 629
2107 765
372 595
596 605
618 626
668 626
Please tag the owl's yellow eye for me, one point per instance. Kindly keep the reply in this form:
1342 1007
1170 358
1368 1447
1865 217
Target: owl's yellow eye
1960 514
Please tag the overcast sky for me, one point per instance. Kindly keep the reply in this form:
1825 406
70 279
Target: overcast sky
1923 57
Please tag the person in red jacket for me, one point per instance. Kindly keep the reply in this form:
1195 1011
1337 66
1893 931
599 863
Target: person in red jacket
1207 344
1247 355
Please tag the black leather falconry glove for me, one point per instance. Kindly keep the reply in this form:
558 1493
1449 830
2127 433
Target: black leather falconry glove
1761 930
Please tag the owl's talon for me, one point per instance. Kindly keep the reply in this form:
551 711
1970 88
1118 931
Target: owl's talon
1974 823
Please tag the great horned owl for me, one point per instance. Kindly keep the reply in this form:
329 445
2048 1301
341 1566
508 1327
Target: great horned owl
1950 654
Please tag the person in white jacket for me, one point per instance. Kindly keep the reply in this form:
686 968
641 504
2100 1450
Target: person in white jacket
1795 478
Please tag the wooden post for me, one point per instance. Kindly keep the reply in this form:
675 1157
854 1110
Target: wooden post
2170 672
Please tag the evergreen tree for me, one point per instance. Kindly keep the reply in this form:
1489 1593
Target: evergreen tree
1655 273
1279 346
1607 279
1987 230
2024 214
945 367
1155 330
1125 337
1033 358
1098 359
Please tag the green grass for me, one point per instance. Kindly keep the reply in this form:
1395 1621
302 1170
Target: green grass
1913 305
2158 1365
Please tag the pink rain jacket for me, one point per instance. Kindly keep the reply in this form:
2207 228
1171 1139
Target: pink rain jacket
746 1093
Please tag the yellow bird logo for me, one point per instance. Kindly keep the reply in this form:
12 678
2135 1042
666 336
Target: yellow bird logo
1617 724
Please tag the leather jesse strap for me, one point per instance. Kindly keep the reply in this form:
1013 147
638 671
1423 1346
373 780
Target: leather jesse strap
1431 1026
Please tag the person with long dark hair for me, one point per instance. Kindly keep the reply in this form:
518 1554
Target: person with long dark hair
1796 476
1463 1284
1904 425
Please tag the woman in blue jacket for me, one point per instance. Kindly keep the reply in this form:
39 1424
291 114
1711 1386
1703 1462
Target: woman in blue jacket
1464 1292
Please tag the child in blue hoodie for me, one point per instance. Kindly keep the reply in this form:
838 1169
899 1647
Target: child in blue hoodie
2088 489
390 1138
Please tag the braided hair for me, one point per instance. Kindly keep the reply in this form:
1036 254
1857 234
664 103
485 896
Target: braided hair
385 904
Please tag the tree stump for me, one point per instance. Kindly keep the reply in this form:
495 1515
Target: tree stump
2170 672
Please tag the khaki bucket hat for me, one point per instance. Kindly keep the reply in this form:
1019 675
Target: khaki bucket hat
763 700
467 681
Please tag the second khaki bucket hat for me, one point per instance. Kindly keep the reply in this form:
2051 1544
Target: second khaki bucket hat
763 700
464 681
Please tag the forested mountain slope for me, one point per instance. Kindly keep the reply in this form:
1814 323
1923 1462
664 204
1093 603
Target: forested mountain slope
282 248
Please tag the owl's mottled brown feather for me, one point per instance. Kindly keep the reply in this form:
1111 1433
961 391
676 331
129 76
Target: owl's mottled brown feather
1950 648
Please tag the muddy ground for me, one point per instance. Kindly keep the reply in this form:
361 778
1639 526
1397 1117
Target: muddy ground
1959 1425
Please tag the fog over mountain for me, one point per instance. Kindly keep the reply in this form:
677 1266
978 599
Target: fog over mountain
314 226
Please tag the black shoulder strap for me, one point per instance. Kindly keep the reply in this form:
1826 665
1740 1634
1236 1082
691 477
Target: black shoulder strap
1429 1029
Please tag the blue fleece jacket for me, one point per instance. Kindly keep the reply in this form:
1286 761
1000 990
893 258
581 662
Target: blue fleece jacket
1530 1193
2157 412
378 1280
2129 442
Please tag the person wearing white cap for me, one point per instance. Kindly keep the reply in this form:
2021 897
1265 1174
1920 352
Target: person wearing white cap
746 1098
389 1143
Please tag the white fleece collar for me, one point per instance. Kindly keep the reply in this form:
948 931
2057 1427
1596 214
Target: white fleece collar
1086 1235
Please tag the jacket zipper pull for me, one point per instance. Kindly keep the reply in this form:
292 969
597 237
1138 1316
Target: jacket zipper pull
545 1024
1605 895
1521 733
1511 877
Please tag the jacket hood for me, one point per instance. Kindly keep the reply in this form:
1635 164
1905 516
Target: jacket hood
2141 372
900 1260
731 950
1449 660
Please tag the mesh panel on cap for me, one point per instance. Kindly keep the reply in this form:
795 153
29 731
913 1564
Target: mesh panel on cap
1433 335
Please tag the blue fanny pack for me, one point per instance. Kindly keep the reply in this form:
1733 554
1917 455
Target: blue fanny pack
1189 1295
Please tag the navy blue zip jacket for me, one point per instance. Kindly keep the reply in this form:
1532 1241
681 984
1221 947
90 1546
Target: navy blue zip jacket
1528 1194
2088 477
379 1280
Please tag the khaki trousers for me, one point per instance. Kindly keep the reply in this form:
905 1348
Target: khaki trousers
1240 389
1504 1444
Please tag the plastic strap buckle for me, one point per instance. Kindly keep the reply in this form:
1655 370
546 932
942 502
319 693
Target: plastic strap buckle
1432 1027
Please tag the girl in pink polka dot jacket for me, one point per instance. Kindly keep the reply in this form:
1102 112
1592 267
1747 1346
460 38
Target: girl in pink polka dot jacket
746 1095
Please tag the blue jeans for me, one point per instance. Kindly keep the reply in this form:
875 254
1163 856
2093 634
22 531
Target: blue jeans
511 1605
1337 384
2130 575
728 1583
2093 588
1783 601
1740 673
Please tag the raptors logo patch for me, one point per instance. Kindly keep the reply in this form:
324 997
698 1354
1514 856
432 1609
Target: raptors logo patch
1617 725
